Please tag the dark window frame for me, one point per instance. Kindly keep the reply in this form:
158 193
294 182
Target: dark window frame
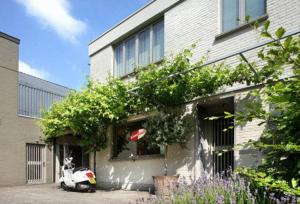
139 153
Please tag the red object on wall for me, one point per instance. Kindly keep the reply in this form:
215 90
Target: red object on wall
136 135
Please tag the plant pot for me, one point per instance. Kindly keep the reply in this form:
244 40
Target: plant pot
165 185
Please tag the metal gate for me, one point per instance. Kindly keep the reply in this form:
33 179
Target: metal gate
223 142
35 164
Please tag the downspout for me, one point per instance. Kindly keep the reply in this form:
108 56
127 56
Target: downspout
54 161
196 141
94 165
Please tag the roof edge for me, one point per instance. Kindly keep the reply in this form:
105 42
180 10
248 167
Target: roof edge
122 21
47 81
9 37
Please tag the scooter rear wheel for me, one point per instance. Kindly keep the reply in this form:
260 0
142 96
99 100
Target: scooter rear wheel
64 186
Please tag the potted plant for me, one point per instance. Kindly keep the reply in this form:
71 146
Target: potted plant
163 130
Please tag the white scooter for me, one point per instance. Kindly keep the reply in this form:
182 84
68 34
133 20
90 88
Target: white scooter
81 179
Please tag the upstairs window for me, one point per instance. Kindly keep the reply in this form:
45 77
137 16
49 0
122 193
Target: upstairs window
144 47
129 55
119 68
230 16
158 41
235 12
141 49
255 8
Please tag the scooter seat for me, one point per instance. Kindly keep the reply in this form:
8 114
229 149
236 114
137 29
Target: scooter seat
79 169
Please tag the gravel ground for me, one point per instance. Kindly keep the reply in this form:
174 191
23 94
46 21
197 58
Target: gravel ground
50 193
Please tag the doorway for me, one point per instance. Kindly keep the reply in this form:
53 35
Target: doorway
216 136
35 164
80 158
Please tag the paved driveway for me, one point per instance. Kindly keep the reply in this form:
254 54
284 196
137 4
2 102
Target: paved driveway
46 194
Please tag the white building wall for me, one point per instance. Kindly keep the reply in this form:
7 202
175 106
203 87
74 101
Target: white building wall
195 21
189 22
128 174
246 156
125 174
101 64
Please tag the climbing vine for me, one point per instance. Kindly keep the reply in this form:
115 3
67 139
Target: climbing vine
280 141
89 112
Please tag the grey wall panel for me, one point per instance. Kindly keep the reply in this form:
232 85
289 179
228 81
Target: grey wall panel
36 95
33 101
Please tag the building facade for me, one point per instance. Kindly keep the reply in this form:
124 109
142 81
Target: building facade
163 28
24 158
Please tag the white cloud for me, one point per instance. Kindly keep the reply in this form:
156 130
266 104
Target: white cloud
56 15
27 69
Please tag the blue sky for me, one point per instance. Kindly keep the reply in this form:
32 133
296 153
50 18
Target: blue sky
55 34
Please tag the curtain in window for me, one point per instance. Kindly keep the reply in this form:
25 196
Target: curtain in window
230 14
119 70
158 41
255 8
144 48
129 55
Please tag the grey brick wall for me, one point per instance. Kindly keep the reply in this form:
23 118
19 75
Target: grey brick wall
15 131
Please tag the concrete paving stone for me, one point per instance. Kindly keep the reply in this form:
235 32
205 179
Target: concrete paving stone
50 193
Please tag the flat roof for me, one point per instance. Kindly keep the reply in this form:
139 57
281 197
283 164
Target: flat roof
9 37
125 19
150 12
42 84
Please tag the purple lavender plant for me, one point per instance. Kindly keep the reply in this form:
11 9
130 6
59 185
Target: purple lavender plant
224 188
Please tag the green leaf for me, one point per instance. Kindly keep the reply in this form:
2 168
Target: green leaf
280 32
247 18
228 115
266 35
256 24
288 41
294 182
266 25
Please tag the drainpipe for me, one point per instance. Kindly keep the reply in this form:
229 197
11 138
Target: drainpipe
94 163
54 161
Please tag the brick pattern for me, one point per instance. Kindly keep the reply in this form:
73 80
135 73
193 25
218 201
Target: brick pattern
15 131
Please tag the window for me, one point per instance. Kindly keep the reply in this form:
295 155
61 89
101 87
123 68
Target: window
230 14
158 41
255 8
123 147
129 55
217 154
235 12
141 49
144 47
119 68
